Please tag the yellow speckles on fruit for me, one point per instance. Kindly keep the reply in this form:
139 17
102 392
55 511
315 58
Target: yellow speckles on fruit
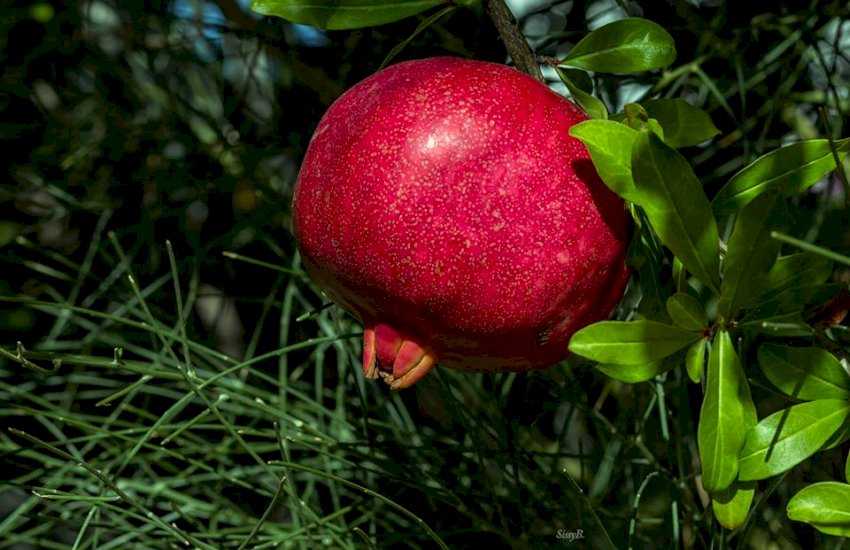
563 257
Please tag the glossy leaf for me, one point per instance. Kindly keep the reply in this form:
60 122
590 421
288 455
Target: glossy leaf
804 373
610 146
626 46
726 410
825 505
635 117
687 312
632 374
731 506
787 170
677 208
591 105
695 360
750 253
684 125
790 303
796 270
847 468
787 437
839 437
629 343
344 14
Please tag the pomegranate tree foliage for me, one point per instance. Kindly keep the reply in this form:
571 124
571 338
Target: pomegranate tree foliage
727 292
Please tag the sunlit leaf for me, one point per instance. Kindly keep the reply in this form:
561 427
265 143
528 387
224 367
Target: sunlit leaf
787 437
726 409
591 105
687 312
344 14
695 360
796 270
674 202
633 343
789 304
684 125
750 253
787 170
825 505
632 374
804 373
626 46
731 506
610 147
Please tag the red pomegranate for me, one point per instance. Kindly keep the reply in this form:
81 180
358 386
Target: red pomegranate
444 204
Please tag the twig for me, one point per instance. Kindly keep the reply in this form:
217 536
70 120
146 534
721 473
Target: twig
513 38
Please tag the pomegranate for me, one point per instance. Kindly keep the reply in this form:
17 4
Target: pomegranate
444 204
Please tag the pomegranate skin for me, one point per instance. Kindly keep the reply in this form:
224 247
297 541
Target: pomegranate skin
444 204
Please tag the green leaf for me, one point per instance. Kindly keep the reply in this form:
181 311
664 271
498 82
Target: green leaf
789 304
426 22
632 374
788 170
796 270
787 437
626 46
847 468
632 343
813 248
9 231
343 14
591 105
825 505
750 253
687 312
804 373
726 410
676 206
731 506
684 125
695 360
610 147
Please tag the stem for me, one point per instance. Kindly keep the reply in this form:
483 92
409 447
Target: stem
513 38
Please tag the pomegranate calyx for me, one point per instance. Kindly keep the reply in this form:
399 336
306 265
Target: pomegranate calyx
400 361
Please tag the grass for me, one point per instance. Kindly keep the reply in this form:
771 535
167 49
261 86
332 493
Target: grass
160 440
170 378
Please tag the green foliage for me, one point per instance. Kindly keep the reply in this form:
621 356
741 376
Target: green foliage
727 412
630 343
804 373
594 107
687 312
626 46
684 125
676 206
750 253
695 359
610 146
787 437
825 505
788 170
344 14
732 506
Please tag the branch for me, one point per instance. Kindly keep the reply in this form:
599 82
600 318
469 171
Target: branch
513 38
